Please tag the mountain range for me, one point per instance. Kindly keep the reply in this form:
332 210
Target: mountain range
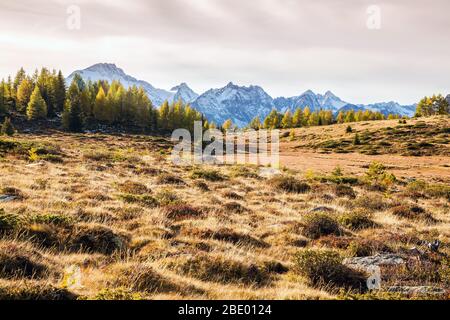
239 103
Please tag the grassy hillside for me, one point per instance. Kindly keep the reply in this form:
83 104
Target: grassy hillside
110 217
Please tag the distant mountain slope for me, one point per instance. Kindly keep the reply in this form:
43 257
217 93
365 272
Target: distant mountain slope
110 72
241 104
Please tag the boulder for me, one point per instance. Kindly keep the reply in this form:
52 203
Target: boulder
367 263
419 290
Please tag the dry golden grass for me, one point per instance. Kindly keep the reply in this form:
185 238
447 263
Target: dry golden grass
117 220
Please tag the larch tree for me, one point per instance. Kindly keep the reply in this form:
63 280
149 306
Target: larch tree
37 108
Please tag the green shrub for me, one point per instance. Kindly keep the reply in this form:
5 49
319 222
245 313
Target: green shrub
132 187
9 222
222 269
209 175
145 200
357 220
344 191
201 185
181 212
7 128
378 174
166 178
412 212
289 184
33 291
324 268
317 225
53 219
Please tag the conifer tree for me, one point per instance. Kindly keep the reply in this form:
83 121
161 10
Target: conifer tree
24 92
100 106
72 115
255 124
37 108
297 119
227 125
7 128
59 90
286 122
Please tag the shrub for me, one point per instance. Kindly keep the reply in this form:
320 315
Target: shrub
53 219
357 220
93 238
365 248
132 187
222 269
373 202
344 191
9 222
7 128
166 178
32 291
167 197
181 212
242 171
18 261
11 191
412 213
117 294
229 235
145 200
143 278
377 173
317 225
201 185
325 268
232 195
234 207
289 184
209 175
98 155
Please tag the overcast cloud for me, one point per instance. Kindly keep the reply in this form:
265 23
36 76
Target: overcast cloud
286 46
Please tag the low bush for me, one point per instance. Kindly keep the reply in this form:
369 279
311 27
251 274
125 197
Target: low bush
20 261
98 239
412 212
324 268
341 191
289 184
181 212
33 291
209 175
132 187
145 200
223 269
166 178
357 220
317 225
9 222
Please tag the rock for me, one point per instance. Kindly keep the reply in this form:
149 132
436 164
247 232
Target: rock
36 164
366 263
420 290
7 198
322 209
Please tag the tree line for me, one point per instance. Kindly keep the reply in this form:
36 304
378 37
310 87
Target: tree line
85 105
307 118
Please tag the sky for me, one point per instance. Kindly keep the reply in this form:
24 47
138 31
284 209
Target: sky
364 51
